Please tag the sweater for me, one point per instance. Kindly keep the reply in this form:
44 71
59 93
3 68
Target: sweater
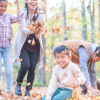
21 37
64 78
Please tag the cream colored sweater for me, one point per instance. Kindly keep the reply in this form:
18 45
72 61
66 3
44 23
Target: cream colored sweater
21 36
64 78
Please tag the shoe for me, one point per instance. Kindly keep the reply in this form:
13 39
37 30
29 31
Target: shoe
84 89
18 89
27 92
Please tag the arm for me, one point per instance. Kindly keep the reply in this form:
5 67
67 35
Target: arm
83 60
79 75
42 25
20 15
92 73
52 86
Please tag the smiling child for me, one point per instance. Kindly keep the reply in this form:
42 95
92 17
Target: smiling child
65 76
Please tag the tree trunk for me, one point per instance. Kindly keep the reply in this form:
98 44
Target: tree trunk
92 22
64 19
41 72
84 24
94 17
99 21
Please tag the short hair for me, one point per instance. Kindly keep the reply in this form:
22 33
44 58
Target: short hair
3 0
59 49
97 50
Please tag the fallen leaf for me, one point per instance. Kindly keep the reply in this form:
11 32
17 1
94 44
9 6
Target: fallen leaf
20 26
20 60
28 84
33 42
10 3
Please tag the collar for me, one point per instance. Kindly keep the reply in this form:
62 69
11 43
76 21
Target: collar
2 14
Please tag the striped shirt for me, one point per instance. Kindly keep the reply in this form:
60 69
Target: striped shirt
6 31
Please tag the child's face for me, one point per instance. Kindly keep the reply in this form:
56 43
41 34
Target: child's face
3 6
62 59
32 4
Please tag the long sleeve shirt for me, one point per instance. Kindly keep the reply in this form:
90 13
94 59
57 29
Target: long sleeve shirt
6 31
88 72
64 78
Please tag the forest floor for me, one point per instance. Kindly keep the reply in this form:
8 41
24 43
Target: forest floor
36 94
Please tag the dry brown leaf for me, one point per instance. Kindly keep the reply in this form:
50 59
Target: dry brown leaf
33 42
10 3
20 60
28 84
20 26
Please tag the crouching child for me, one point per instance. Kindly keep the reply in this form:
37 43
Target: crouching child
65 76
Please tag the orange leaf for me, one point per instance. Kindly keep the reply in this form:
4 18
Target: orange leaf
28 84
50 53
20 26
46 69
8 60
45 65
10 3
15 21
35 94
33 42
24 80
20 60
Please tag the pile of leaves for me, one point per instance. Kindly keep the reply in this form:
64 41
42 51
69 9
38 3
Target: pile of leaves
38 92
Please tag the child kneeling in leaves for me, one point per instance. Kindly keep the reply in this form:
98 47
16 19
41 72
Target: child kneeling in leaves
65 76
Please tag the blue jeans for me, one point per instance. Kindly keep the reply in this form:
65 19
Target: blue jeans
6 53
61 94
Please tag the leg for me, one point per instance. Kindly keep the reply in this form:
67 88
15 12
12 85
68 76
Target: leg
8 62
56 92
0 63
84 89
25 64
31 73
63 95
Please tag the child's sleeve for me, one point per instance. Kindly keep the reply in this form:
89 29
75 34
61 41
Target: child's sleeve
79 75
52 86
15 19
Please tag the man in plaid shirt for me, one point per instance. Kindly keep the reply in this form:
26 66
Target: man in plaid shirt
6 34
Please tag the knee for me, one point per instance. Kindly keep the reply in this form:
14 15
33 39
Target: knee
9 72
33 67
43 98
25 66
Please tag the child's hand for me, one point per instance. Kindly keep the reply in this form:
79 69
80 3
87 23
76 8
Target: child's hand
17 1
76 84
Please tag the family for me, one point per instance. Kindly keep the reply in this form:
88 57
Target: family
75 62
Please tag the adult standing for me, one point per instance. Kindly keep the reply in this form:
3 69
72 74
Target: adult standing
28 45
86 55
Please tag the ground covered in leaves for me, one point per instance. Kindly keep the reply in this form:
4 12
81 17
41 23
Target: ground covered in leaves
37 93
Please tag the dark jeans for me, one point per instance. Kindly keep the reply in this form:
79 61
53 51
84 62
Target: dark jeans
28 64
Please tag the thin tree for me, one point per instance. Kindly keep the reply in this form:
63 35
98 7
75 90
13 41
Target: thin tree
64 19
92 21
41 72
84 22
99 20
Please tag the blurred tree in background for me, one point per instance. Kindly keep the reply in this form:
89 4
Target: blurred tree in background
81 23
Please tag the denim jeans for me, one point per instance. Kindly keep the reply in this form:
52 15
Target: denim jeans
6 54
61 94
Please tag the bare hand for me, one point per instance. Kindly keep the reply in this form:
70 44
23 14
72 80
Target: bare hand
17 1
76 84
95 92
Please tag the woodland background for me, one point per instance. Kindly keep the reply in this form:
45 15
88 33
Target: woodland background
76 19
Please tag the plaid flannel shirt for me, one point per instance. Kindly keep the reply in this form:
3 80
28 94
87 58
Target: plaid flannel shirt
6 32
